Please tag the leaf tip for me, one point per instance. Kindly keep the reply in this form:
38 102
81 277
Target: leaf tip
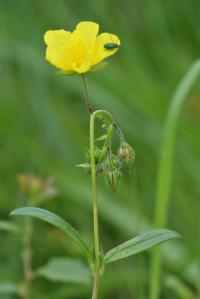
15 212
12 213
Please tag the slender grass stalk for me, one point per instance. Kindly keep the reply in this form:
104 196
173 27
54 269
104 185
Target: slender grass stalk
165 171
95 210
27 258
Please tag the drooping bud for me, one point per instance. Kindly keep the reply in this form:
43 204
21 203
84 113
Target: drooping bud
112 178
127 155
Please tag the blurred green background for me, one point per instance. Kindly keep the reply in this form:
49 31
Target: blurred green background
44 129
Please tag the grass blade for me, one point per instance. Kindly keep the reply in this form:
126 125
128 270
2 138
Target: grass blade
165 169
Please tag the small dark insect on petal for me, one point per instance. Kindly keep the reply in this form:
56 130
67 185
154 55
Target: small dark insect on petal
111 46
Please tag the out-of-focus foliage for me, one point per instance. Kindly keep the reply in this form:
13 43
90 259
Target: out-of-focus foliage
44 129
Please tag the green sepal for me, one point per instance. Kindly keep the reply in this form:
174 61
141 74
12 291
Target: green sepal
98 67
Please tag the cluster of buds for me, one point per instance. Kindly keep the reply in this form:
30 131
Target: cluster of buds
35 188
108 163
124 159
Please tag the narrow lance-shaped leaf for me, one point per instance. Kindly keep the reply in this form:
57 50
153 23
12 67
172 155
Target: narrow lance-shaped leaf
56 221
85 166
8 288
139 243
68 270
9 227
101 138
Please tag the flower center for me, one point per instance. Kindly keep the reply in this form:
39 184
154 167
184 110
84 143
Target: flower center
78 51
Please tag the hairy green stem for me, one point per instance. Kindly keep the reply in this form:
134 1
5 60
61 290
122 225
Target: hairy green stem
95 210
27 258
101 114
88 104
165 171
96 286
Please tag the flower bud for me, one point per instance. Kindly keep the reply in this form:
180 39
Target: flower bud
112 178
36 188
127 155
29 183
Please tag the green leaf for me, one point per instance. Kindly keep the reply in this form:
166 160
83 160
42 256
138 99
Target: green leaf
56 221
101 138
140 243
7 288
85 166
60 269
9 227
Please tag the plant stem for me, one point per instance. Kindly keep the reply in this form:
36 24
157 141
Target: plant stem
89 105
95 210
165 170
27 258
96 286
96 270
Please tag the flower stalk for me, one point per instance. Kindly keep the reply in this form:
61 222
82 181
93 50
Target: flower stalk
95 210
89 105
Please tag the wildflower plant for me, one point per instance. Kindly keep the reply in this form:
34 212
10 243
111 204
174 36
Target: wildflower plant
79 52
34 191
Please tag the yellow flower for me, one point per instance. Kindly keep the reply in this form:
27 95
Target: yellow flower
79 51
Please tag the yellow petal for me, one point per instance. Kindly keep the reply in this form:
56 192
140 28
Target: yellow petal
57 42
82 67
87 32
61 37
100 51
83 45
